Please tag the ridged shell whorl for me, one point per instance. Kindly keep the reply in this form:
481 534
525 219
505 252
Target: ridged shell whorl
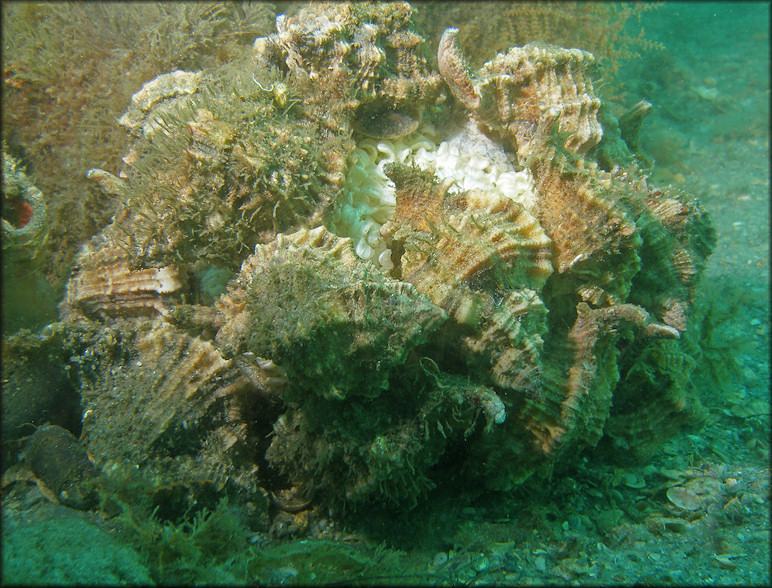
519 95
105 285
484 263
333 322
169 393
358 58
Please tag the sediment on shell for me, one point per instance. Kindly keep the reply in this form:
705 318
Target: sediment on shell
309 291
191 417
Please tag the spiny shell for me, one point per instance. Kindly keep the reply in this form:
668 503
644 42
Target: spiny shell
211 182
166 88
509 343
517 304
104 285
484 267
581 215
625 257
570 408
454 70
531 81
568 412
519 93
357 56
540 98
449 242
348 338
190 416
336 325
233 304
204 183
654 399
677 237
366 452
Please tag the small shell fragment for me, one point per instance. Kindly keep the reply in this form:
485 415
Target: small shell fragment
633 481
658 524
726 560
684 498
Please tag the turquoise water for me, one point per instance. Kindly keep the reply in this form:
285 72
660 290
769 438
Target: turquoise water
695 510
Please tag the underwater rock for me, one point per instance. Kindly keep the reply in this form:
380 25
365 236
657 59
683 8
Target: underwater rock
60 462
36 389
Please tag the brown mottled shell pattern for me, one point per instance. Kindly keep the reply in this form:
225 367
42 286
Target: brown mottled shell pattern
531 305
178 387
358 56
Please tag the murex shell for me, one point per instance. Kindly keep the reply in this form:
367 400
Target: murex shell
181 394
527 88
496 329
104 285
345 335
358 56
204 181
484 265
309 291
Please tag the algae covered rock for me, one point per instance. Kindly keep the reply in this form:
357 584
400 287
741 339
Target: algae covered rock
69 551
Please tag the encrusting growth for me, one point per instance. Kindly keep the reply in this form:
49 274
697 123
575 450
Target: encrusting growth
338 270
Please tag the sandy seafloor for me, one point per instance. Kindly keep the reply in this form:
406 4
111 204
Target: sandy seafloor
601 523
